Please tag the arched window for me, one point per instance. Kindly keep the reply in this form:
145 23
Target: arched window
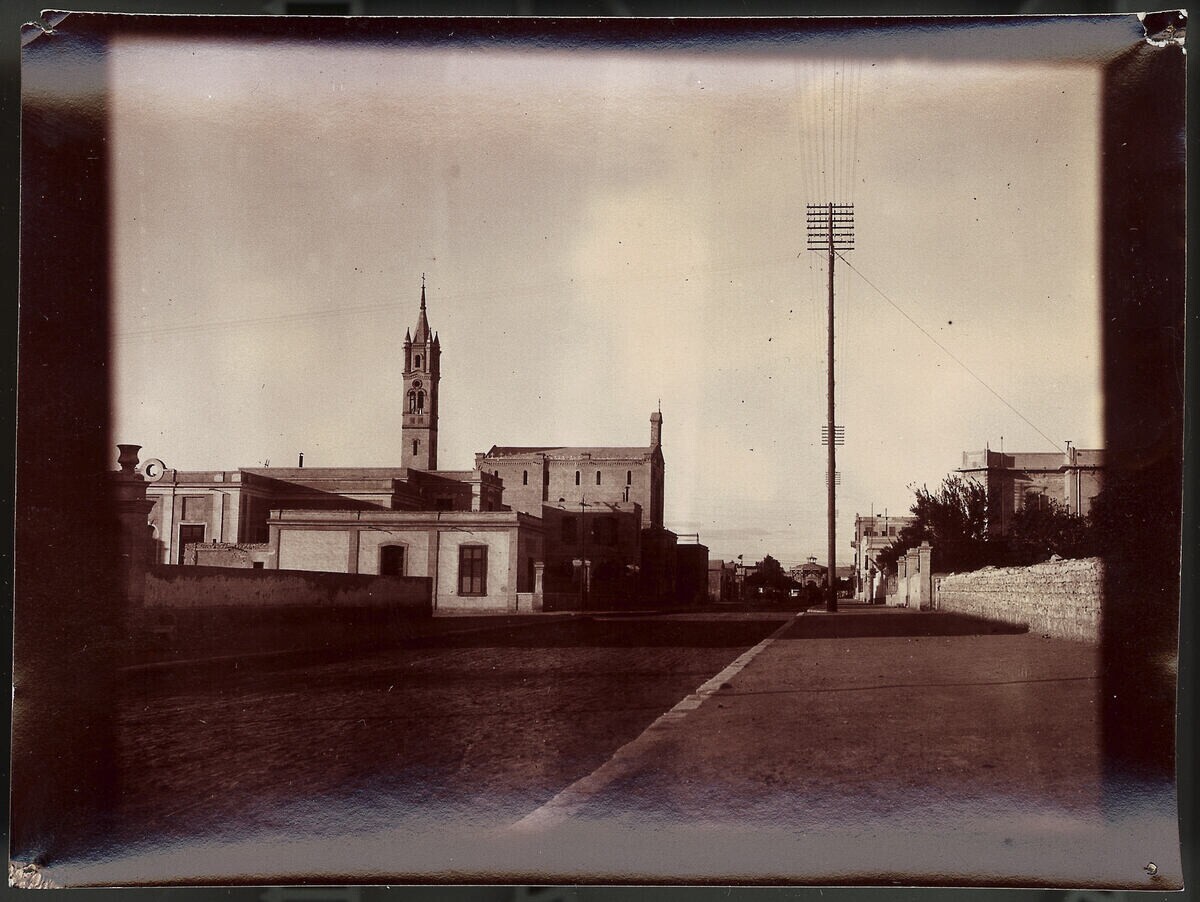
629 477
524 477
417 365
577 477
597 477
412 402
421 402
416 445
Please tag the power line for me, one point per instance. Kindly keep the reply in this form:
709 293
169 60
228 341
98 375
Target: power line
949 354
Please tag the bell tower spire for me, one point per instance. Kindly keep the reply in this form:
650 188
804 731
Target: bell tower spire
422 371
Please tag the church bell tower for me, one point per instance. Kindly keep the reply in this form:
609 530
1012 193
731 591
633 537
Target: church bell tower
422 369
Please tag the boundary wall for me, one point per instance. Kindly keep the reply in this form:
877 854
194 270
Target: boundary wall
1061 599
192 612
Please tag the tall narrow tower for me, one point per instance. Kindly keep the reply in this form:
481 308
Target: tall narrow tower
422 370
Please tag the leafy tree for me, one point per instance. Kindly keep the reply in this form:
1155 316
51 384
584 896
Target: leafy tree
954 520
769 574
1036 534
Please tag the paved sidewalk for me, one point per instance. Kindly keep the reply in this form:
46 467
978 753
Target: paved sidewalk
868 712
873 745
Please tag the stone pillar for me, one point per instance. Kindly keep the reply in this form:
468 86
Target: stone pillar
925 574
901 581
273 540
912 591
539 573
135 537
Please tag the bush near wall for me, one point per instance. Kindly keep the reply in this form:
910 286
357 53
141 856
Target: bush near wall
1058 598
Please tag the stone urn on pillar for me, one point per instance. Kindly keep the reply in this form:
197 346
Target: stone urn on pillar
127 490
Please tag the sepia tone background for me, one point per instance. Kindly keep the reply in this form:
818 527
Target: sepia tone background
64 406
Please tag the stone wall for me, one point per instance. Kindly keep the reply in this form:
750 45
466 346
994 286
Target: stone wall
240 555
1057 598
200 587
199 612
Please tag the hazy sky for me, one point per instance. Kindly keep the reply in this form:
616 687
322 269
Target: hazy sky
602 229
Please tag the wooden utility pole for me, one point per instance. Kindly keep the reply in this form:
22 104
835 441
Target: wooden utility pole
831 229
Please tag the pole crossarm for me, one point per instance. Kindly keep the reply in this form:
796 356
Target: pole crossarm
830 225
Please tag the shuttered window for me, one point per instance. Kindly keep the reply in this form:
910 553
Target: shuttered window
472 570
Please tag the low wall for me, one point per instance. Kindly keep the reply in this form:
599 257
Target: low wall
225 554
1058 598
192 612
191 587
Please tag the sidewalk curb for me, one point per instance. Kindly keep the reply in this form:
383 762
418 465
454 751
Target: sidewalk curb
568 801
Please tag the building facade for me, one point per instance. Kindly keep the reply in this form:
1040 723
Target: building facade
872 534
1020 480
535 477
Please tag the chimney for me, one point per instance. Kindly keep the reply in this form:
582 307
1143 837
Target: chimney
656 429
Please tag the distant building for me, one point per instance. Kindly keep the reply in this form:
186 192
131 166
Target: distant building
722 584
872 534
1020 480
606 501
810 573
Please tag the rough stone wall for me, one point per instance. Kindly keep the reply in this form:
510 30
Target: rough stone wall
1057 598
225 554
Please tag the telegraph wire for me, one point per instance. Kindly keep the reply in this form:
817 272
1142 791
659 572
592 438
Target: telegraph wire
951 355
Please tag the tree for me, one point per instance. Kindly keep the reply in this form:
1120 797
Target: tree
769 574
1035 534
954 520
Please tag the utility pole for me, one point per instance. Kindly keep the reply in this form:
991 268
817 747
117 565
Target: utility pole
831 229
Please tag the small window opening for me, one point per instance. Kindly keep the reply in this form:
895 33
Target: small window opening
597 477
524 477
577 477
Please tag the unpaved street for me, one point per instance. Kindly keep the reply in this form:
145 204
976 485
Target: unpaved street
479 728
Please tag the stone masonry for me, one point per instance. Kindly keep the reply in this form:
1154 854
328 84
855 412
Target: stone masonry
1057 598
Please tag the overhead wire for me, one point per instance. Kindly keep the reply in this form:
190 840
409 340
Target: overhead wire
951 355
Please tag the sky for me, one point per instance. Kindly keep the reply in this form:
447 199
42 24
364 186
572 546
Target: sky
602 231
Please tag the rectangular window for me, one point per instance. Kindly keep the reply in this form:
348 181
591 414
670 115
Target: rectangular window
570 533
472 570
891 530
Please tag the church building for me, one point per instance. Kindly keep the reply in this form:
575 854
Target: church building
527 528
